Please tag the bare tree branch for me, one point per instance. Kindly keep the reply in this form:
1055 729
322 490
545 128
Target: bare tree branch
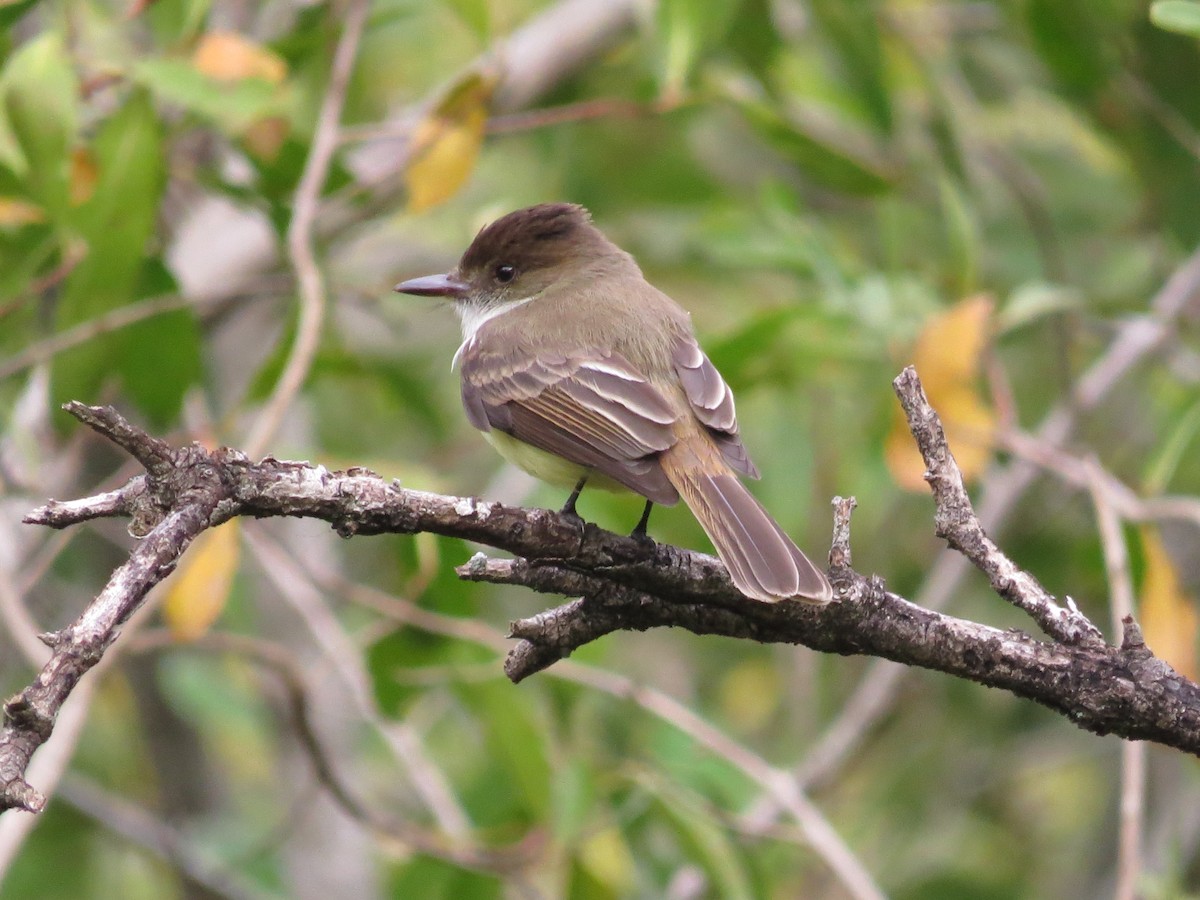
955 520
1135 341
621 583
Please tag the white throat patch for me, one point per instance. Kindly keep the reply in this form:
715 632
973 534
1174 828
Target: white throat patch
473 318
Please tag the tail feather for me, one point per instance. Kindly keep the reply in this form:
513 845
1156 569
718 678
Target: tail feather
763 562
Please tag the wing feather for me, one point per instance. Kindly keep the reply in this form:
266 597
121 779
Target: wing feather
712 402
601 414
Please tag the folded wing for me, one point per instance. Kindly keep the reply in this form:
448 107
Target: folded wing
596 412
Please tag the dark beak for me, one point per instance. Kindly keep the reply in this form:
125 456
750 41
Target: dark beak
434 286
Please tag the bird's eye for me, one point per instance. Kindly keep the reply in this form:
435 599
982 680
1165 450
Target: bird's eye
505 274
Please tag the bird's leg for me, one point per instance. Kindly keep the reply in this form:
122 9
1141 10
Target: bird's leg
639 530
569 507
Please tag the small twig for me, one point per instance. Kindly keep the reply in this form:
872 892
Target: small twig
300 234
1170 119
839 553
63 513
75 253
155 455
955 520
343 655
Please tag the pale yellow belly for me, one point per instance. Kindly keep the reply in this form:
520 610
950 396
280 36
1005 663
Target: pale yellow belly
546 466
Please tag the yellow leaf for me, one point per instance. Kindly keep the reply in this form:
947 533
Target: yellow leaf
14 213
606 856
1168 616
199 589
83 177
948 356
228 56
446 143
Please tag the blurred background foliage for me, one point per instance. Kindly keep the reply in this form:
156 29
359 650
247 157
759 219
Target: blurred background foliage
834 190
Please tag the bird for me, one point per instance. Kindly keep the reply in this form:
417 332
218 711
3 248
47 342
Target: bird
581 372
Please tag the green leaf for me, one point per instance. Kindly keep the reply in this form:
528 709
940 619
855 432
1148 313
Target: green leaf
1033 302
117 224
753 37
1073 38
233 106
1164 465
688 29
575 799
159 359
40 118
475 14
711 847
409 648
1180 16
434 879
854 30
11 11
962 236
818 157
175 23
515 743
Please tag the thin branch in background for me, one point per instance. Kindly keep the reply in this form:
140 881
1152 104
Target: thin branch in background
820 835
1168 117
1132 810
121 317
343 656
774 782
584 111
140 827
560 40
1088 475
19 623
75 254
301 252
36 565
524 120
283 663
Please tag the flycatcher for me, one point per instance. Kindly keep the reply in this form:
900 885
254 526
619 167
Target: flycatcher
579 370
